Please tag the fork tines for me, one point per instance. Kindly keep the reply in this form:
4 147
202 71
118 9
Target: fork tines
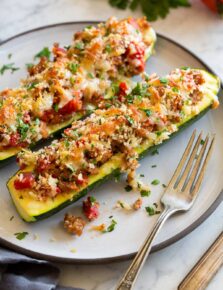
190 170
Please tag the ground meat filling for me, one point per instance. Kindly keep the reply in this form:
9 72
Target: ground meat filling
74 225
150 113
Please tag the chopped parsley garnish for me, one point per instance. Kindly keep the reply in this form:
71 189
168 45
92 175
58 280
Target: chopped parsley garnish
175 90
92 199
55 107
21 236
111 227
185 67
153 166
67 47
73 67
10 66
79 45
29 65
148 112
151 210
128 188
110 217
72 80
108 48
66 143
88 27
129 119
151 8
45 52
31 86
145 193
22 128
164 81
142 175
155 204
155 182
202 142
90 75
9 55
164 185
155 152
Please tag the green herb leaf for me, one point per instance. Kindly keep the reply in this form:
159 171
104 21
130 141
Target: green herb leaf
164 81
9 66
31 86
129 119
21 236
56 107
148 112
128 188
79 45
29 65
153 166
73 67
108 48
152 9
175 90
151 211
90 75
92 199
145 193
202 142
155 182
45 52
164 185
185 67
111 227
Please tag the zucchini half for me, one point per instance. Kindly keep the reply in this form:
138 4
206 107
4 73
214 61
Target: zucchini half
9 153
31 210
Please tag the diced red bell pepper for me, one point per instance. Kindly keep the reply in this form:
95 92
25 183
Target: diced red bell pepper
25 182
91 208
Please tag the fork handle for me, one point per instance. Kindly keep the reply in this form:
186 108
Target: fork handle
129 278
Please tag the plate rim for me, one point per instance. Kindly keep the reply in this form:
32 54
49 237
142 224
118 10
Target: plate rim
118 258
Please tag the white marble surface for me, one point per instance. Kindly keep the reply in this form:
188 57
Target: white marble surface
200 31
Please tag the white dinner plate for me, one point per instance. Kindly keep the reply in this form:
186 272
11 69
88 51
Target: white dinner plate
47 239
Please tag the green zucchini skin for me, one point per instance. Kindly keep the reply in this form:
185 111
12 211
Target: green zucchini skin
114 172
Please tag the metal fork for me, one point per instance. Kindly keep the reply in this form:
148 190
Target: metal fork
179 195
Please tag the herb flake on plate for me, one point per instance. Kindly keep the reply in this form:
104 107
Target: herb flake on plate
20 236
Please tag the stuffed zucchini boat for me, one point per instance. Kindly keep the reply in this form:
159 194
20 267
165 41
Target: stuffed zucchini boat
110 140
64 89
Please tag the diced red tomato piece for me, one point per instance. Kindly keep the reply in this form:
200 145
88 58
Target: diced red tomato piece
71 107
122 91
14 139
47 115
42 165
91 208
25 182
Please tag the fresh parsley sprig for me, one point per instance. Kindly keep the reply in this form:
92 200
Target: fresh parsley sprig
151 8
